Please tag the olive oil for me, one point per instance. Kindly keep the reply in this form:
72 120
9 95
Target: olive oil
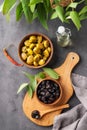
63 36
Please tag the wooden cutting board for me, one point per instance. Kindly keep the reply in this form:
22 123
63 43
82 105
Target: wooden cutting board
65 80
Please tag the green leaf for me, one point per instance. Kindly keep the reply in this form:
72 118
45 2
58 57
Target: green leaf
67 13
35 15
54 15
8 5
60 13
8 16
27 12
32 8
40 75
75 18
42 15
32 80
83 16
47 3
72 5
33 83
47 6
35 2
83 10
29 76
30 91
22 87
86 2
81 1
53 74
1 7
19 11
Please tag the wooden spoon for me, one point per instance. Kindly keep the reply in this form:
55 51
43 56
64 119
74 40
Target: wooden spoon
39 114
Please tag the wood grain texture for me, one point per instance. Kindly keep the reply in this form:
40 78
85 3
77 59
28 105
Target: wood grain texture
65 80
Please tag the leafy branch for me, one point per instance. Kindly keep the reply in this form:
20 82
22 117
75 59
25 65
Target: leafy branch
31 86
42 10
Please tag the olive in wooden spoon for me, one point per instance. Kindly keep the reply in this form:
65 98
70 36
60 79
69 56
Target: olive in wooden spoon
39 114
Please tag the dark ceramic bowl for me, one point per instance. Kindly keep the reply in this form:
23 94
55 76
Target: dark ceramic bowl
33 42
49 92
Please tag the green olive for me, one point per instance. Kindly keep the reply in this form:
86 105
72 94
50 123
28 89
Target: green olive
30 59
46 43
42 62
39 39
46 53
32 45
49 49
36 50
35 63
24 49
30 51
32 39
27 43
45 58
37 57
24 56
40 45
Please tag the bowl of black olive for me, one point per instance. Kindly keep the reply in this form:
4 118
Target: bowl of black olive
49 91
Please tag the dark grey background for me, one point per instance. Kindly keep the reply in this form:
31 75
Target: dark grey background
11 114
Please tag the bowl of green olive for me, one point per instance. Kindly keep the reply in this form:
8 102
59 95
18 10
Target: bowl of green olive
35 50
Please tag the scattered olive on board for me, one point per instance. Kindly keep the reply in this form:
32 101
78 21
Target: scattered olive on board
35 114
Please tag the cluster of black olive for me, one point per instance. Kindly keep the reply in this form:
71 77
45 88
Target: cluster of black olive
48 91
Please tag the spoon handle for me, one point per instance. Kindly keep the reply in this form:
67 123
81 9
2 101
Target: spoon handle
54 109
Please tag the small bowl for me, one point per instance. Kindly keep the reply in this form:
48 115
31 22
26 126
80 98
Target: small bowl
44 57
49 92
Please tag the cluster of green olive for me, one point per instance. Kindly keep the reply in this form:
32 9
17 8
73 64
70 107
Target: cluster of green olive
35 50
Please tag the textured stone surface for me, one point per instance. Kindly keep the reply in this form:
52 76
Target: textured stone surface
11 114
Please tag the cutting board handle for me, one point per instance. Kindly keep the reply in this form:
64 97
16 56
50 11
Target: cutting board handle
71 60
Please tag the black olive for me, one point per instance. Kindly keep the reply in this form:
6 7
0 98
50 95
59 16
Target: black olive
47 86
43 83
35 114
42 93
